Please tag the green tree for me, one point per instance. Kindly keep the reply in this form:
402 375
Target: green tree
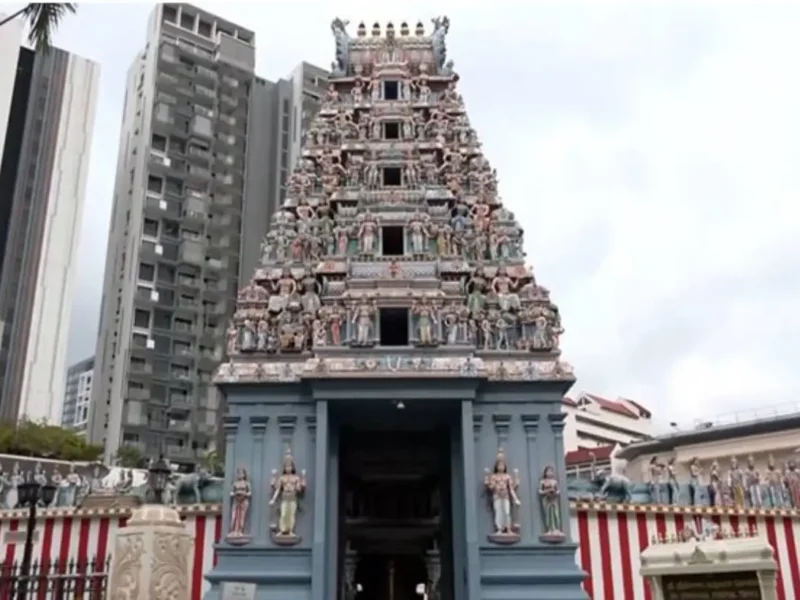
212 461
29 438
130 457
43 19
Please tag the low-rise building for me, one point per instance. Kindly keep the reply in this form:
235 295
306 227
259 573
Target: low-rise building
593 421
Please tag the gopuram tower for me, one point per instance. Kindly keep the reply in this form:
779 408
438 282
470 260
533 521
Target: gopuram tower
394 380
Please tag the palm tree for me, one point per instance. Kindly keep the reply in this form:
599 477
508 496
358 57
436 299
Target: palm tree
43 19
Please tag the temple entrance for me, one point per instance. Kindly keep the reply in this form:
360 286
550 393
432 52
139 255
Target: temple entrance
395 518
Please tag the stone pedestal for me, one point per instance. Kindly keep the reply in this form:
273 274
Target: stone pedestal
152 556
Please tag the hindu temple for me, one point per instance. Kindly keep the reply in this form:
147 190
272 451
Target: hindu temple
394 382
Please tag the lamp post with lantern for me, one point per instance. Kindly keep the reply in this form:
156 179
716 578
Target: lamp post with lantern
158 475
30 494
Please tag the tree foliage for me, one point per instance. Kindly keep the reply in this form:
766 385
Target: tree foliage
213 462
43 19
130 457
29 438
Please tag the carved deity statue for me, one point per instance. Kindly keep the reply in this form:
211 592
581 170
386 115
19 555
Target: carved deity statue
774 480
714 485
502 488
752 479
654 485
736 483
550 499
241 493
695 473
364 320
673 487
426 322
792 479
368 235
287 488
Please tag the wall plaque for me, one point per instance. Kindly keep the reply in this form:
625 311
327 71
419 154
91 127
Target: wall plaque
235 590
712 586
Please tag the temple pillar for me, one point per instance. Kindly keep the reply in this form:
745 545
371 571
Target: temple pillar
152 556
257 523
469 429
319 547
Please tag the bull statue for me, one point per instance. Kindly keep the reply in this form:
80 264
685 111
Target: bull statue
610 483
190 484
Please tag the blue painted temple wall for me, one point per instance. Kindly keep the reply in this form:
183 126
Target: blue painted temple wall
524 419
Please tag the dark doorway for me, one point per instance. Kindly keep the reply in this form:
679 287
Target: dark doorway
391 131
392 240
393 327
395 506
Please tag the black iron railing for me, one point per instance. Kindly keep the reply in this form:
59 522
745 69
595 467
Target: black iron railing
55 580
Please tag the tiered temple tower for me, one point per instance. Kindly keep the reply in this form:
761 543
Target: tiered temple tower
396 348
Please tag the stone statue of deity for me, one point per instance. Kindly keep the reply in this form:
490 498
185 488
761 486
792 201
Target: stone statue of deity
695 473
654 485
550 499
14 481
774 481
673 487
241 493
502 488
714 485
753 482
287 488
792 479
736 483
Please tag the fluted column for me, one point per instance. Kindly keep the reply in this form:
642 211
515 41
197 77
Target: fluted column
557 421
230 426
258 428
533 525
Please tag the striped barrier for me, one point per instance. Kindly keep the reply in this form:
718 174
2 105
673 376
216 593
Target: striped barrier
611 539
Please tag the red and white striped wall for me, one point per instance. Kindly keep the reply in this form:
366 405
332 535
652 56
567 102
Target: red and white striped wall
611 539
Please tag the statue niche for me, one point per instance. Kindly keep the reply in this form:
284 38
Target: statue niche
287 489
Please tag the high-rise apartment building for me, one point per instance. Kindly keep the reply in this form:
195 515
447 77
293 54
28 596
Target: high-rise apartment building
198 177
78 396
47 112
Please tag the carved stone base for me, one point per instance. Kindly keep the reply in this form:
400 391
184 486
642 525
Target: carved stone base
282 539
151 555
504 539
552 537
238 539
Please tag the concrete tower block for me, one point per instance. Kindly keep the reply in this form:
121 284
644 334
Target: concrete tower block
151 556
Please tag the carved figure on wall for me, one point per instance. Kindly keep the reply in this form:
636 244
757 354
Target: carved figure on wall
70 485
736 483
241 494
364 321
426 323
419 233
14 481
5 483
550 499
695 474
774 481
673 487
287 489
714 485
367 235
792 479
502 488
610 483
654 485
752 479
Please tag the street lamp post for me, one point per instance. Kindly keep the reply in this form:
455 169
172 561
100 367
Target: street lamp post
30 494
157 479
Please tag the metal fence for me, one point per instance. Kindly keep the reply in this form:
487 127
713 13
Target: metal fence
56 580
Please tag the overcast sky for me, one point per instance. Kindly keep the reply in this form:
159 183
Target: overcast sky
650 150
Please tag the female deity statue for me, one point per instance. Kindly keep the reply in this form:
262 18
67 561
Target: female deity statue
503 287
70 490
286 489
56 479
342 235
367 235
40 478
550 498
502 489
695 473
418 234
241 492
